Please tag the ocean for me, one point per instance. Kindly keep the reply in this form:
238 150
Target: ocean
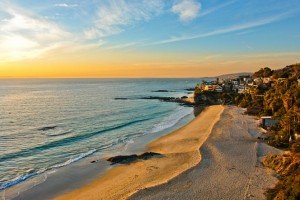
47 124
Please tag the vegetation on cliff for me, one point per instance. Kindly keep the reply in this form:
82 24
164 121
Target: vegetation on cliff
273 93
279 98
288 168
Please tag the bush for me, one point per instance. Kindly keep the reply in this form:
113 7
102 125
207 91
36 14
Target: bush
279 139
254 110
289 188
295 147
287 166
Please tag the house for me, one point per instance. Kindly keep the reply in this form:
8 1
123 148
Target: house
268 121
208 88
251 83
235 82
211 86
245 79
243 89
218 88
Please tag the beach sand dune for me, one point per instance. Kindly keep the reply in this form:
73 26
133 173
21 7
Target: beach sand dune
180 151
230 167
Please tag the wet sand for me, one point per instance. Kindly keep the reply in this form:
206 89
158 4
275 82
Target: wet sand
180 151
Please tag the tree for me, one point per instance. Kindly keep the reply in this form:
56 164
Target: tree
263 72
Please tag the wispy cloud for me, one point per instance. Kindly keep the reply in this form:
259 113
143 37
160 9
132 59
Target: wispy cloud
229 29
122 46
213 9
24 35
113 16
187 10
64 5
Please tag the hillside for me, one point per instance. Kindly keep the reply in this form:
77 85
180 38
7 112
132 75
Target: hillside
279 98
234 75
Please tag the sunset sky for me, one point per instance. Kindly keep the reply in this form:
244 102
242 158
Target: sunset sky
146 38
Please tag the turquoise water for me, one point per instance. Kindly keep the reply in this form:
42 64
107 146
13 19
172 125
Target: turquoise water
49 123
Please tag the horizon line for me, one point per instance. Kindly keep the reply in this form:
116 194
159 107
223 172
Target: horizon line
160 77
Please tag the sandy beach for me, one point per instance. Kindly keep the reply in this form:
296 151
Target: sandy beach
180 151
230 167
215 156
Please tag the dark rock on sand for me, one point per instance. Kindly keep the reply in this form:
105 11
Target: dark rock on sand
148 155
46 128
123 159
132 158
184 97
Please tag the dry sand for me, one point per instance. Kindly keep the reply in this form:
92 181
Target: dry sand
230 167
181 152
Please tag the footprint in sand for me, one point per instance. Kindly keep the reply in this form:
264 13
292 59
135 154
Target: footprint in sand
151 168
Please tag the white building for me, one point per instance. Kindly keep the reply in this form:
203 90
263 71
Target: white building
218 88
268 121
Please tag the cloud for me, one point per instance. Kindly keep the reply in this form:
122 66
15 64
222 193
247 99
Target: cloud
113 16
187 9
122 46
229 29
64 5
24 35
213 9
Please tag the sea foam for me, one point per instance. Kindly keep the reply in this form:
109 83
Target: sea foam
171 120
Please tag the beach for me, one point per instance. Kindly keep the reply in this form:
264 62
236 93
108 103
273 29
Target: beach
149 100
230 167
215 156
180 150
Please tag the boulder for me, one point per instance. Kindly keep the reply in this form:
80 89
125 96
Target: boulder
132 158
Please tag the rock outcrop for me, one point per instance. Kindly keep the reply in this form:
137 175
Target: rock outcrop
181 101
132 158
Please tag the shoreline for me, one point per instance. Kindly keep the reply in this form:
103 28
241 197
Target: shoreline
180 150
78 174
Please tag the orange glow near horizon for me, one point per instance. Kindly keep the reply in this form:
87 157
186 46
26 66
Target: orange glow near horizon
141 66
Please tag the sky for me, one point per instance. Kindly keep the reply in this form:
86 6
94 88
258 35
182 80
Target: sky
146 38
